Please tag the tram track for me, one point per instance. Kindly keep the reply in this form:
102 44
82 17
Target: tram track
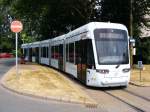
133 100
135 94
136 102
130 105
127 98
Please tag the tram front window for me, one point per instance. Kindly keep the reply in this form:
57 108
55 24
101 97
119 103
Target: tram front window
111 46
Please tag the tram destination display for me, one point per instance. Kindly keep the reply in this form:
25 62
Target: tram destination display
113 34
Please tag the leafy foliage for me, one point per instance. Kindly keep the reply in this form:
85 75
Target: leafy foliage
143 50
43 19
119 11
52 18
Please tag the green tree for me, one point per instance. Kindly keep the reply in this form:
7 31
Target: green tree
119 11
43 19
6 39
46 19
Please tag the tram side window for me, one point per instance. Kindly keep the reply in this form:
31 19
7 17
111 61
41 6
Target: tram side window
56 52
30 51
25 52
67 52
84 53
71 53
30 54
48 52
61 51
53 50
77 52
41 51
90 54
44 52
33 51
37 51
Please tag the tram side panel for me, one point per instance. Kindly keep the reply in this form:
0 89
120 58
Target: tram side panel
70 66
79 58
84 59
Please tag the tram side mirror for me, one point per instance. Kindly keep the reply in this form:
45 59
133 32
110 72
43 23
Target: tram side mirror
132 42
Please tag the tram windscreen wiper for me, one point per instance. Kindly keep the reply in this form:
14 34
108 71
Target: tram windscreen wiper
118 66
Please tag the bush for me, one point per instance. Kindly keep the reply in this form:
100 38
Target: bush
19 53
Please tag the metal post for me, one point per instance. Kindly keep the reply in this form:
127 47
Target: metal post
140 75
140 59
131 30
23 43
17 54
131 18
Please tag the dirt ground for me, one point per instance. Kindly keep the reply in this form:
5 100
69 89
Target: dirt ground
44 82
141 77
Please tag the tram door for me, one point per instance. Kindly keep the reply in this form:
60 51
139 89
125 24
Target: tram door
81 60
60 63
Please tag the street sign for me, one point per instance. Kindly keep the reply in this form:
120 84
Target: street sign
140 64
16 26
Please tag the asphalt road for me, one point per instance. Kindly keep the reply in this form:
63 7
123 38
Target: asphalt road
131 99
11 102
5 65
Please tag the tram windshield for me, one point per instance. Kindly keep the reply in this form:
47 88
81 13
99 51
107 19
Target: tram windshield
112 46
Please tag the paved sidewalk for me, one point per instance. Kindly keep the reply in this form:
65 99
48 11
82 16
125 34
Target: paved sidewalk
44 82
143 79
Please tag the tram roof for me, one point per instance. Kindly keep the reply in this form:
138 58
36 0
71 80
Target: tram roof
35 44
45 41
94 25
58 40
81 30
24 45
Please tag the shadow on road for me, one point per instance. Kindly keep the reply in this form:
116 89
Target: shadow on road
6 64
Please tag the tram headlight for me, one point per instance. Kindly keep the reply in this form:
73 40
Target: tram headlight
125 70
102 71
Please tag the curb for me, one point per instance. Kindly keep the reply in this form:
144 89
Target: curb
60 99
132 83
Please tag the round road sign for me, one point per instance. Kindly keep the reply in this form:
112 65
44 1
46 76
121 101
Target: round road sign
16 26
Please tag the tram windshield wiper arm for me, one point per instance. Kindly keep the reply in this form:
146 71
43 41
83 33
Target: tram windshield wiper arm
118 66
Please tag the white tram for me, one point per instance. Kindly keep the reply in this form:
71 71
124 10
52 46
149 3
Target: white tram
97 54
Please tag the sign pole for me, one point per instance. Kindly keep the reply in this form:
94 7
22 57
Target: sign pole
16 27
17 54
140 74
